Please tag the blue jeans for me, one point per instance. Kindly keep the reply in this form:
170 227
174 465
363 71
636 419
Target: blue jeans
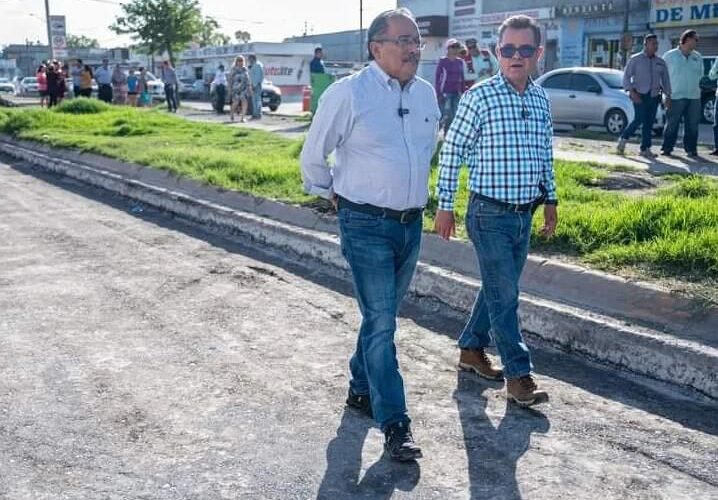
688 110
257 101
382 255
715 122
501 239
645 116
171 96
451 103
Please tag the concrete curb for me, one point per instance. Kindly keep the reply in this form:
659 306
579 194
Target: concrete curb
644 351
634 302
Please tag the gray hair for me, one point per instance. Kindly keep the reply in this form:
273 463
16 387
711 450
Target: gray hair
521 22
381 23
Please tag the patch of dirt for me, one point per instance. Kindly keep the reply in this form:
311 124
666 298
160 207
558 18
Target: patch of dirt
629 183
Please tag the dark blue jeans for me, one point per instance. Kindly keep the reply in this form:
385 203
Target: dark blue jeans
171 96
715 122
382 254
501 239
451 103
645 116
688 110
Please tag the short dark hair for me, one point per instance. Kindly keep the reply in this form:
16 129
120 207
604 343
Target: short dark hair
79 61
688 34
521 22
318 49
381 23
252 57
650 36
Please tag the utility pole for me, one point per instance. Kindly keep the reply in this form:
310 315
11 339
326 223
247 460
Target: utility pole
49 28
361 31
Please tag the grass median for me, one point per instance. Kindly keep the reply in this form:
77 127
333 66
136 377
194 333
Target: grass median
670 232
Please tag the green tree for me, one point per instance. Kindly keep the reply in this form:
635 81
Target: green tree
210 34
160 25
242 36
82 42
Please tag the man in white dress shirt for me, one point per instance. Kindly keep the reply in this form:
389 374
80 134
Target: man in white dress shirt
382 125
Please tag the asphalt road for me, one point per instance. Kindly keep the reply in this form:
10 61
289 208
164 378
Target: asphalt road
142 357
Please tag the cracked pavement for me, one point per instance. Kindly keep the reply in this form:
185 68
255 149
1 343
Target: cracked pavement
142 357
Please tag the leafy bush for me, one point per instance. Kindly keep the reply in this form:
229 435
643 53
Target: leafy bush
82 106
16 123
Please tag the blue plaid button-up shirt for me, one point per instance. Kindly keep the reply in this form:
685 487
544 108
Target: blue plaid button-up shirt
505 138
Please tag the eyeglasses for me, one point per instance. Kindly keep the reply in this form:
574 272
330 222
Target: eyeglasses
509 51
404 41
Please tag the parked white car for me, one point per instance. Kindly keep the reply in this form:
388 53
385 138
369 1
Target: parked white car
6 86
28 86
592 96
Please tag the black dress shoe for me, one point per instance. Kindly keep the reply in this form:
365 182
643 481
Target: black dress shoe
692 154
399 444
360 402
714 152
666 153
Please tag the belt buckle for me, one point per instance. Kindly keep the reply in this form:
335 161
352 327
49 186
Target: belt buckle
402 217
516 208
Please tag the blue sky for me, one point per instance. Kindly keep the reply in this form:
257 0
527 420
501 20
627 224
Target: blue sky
268 21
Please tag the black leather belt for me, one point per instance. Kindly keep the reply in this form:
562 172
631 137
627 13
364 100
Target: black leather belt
403 216
511 207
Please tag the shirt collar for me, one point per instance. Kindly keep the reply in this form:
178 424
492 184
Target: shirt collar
385 80
529 86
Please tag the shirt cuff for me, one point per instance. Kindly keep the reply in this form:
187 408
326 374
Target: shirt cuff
446 205
327 193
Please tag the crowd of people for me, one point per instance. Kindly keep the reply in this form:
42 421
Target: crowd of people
243 85
57 81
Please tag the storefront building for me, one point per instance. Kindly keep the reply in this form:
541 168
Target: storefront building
670 18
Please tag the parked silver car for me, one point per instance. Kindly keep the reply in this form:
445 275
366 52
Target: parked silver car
28 86
7 86
592 96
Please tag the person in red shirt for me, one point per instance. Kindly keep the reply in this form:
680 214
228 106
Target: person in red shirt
41 76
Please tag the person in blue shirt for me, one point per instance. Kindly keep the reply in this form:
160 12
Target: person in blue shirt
503 132
685 69
316 65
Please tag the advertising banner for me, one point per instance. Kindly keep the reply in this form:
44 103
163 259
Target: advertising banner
671 13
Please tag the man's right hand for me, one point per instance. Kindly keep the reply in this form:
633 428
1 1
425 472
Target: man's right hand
444 224
635 96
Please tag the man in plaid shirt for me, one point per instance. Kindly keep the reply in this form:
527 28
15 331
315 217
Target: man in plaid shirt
503 132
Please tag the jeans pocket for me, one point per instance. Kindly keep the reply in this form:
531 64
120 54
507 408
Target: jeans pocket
354 219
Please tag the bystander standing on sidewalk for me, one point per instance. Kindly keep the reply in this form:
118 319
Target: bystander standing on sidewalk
132 88
143 89
62 82
645 78
713 75
240 89
449 81
218 88
256 77
86 81
382 124
53 84
685 68
503 132
103 77
480 64
119 85
316 65
169 78
77 77
41 76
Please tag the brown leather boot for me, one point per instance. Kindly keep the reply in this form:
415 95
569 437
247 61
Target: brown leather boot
477 361
524 392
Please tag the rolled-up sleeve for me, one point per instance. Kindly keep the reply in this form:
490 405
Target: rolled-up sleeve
330 127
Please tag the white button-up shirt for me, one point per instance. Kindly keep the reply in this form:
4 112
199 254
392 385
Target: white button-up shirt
383 138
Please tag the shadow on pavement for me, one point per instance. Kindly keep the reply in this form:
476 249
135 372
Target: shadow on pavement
493 452
344 461
571 369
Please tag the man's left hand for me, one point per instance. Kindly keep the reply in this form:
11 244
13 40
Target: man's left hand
550 219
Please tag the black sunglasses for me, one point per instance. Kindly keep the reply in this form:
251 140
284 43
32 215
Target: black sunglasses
525 51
